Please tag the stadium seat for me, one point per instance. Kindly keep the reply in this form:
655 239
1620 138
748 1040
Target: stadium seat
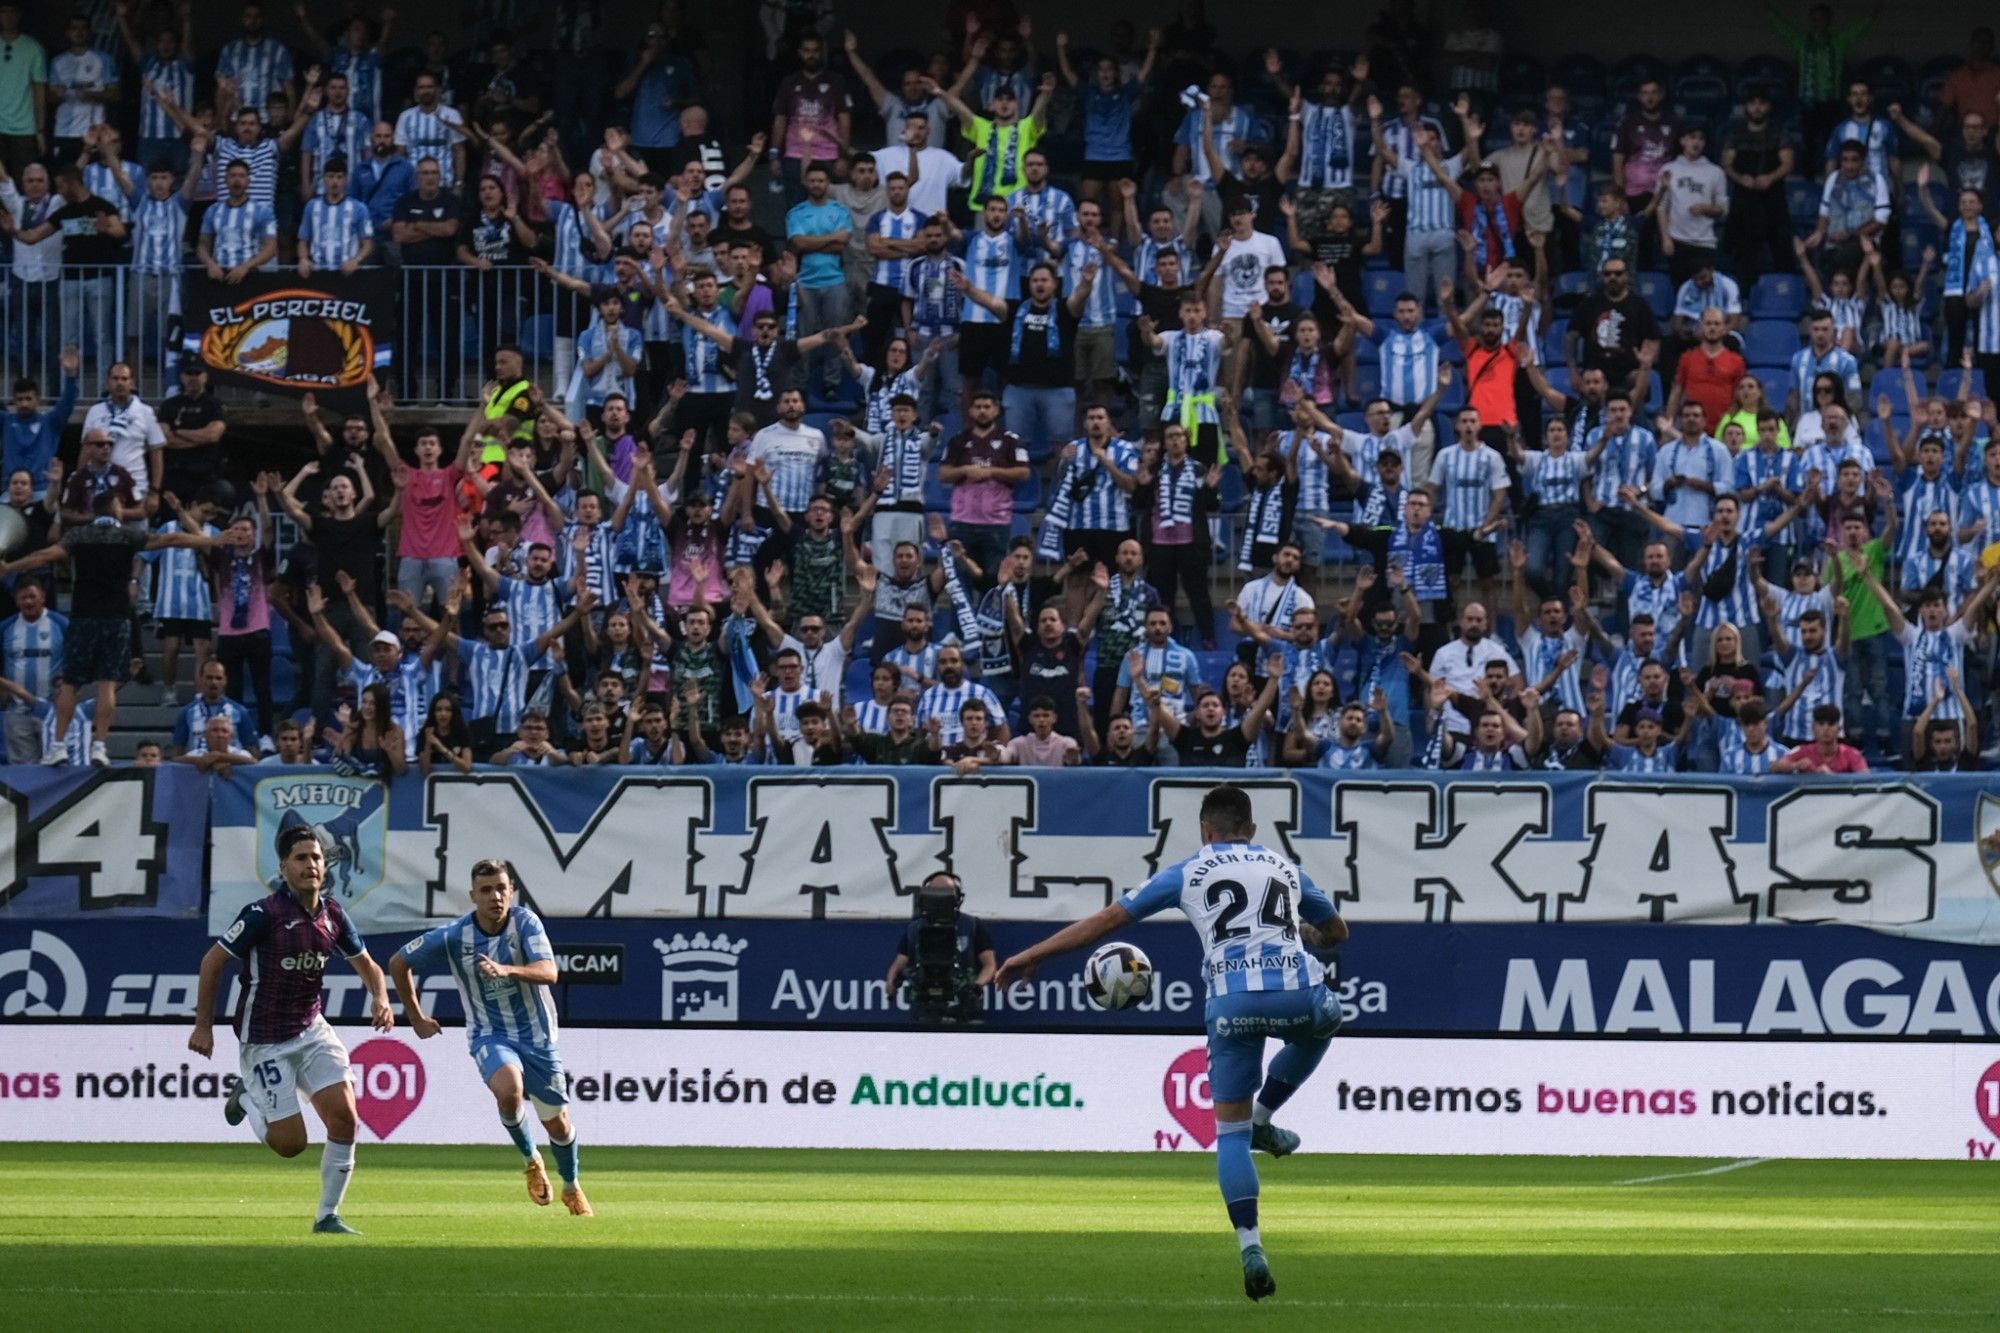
1381 288
538 337
1801 200
1777 382
1552 341
1878 442
1367 352
1633 70
1230 489
1028 494
1303 289
1657 290
1558 378
1703 96
1701 65
1770 342
1891 385
1949 381
1654 398
1583 75
937 495
1766 71
1574 283
1367 381
1890 79
1778 296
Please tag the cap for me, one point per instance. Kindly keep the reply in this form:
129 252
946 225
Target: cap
384 636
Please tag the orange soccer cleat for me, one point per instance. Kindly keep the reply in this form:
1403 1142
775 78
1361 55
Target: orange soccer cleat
538 1182
577 1204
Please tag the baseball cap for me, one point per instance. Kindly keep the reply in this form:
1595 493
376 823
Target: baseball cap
384 636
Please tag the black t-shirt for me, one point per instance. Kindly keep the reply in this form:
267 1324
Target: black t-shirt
1756 150
1263 195
781 372
82 243
709 152
1612 332
349 544
1581 757
413 207
492 238
1035 365
725 233
1268 368
1342 254
187 469
1671 716
100 561
1162 305
1228 748
1055 672
1133 758
1971 169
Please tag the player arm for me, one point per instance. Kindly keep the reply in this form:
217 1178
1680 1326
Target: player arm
1076 935
381 1015
213 963
404 976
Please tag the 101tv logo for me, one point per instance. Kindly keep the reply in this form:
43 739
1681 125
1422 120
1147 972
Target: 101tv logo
1986 1101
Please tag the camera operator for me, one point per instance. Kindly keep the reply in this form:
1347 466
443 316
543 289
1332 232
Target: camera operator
971 964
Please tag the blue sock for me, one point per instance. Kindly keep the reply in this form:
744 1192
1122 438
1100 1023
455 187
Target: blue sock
565 1155
517 1130
1237 1175
1291 1066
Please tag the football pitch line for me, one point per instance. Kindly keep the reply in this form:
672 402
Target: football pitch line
1689 1175
736 1296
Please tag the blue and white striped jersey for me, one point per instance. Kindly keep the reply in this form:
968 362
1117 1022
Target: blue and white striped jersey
159 229
1900 324
1721 294
181 588
935 305
1539 655
101 181
238 231
1432 208
1315 477
1557 478
1661 601
1796 723
174 77
989 266
1245 902
1469 479
572 241
599 559
1665 758
364 79
1401 136
1739 605
595 342
534 608
1349 758
1707 459
1364 451
1326 146
421 134
518 1012
878 389
1956 573
1104 508
262 159
30 652
1194 362
1737 758
1626 460
191 725
1753 468
495 683
703 355
258 67
1145 260
411 687
1409 369
872 717
893 227
1980 499
1927 655
1806 364
1825 458
331 134
1792 607
1848 313
1920 499
919 666
333 233
943 701
1100 307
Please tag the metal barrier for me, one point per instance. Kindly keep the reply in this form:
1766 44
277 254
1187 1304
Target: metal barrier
452 319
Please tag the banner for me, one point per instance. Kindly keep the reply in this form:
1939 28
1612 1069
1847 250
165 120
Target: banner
709 844
276 331
1690 983
1136 1093
102 842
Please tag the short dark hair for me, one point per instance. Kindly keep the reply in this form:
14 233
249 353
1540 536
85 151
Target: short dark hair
486 867
1041 703
1226 809
1827 713
292 837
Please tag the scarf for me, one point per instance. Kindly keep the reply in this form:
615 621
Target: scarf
742 660
760 366
1326 140
1492 215
1177 486
1052 334
1302 380
1422 559
1957 265
1048 546
239 590
903 456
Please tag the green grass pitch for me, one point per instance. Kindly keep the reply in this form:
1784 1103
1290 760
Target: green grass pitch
167 1237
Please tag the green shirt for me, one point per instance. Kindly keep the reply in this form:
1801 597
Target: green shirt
1822 59
1864 608
23 64
998 170
819 575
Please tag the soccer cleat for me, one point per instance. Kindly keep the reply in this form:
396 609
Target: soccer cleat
233 1110
1257 1280
538 1182
331 1225
573 1200
1275 1141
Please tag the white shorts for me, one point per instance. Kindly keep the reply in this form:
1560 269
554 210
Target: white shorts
274 1073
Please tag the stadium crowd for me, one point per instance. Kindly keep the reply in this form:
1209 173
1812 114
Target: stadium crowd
1535 414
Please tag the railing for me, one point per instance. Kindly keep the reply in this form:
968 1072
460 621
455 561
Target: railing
452 319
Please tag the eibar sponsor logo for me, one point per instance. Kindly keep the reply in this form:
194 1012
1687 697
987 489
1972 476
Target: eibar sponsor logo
1858 997
1039 1093
698 977
590 964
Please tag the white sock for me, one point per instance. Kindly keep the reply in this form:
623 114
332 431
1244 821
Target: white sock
1246 1237
1260 1114
255 1119
336 1167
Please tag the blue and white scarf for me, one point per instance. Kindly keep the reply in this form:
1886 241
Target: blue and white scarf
1423 564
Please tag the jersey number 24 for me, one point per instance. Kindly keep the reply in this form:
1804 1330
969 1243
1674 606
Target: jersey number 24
1233 899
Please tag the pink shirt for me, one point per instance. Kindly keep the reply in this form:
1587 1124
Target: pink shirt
1031 751
430 514
985 502
1846 759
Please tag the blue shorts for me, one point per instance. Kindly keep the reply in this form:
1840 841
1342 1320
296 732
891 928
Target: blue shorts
541 1071
1238 1024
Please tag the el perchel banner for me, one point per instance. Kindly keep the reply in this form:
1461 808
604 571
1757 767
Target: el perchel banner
278 332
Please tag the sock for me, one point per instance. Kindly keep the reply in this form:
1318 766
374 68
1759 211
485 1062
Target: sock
564 1151
1291 1066
336 1168
1237 1175
517 1130
255 1119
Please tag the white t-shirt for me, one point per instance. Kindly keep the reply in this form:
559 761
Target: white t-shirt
1243 272
937 172
1463 667
1692 184
133 430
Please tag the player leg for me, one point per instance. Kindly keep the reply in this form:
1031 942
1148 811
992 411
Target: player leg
548 1088
1291 1066
323 1073
266 1095
1235 1068
500 1066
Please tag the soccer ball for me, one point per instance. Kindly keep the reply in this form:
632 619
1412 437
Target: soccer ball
1118 976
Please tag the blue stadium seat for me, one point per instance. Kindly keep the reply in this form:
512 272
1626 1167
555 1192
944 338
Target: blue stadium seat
1367 381
1657 290
1770 342
1878 443
1778 296
1654 398
1891 385
1767 71
1701 65
1382 288
1028 494
1949 380
538 337
1367 352
1889 77
937 495
1777 382
1230 489
1558 378
1354 421
1629 73
1914 240
1801 199
1303 289
1574 283
1704 96
1552 341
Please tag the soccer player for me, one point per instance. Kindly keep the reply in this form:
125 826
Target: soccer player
1263 923
285 940
500 957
